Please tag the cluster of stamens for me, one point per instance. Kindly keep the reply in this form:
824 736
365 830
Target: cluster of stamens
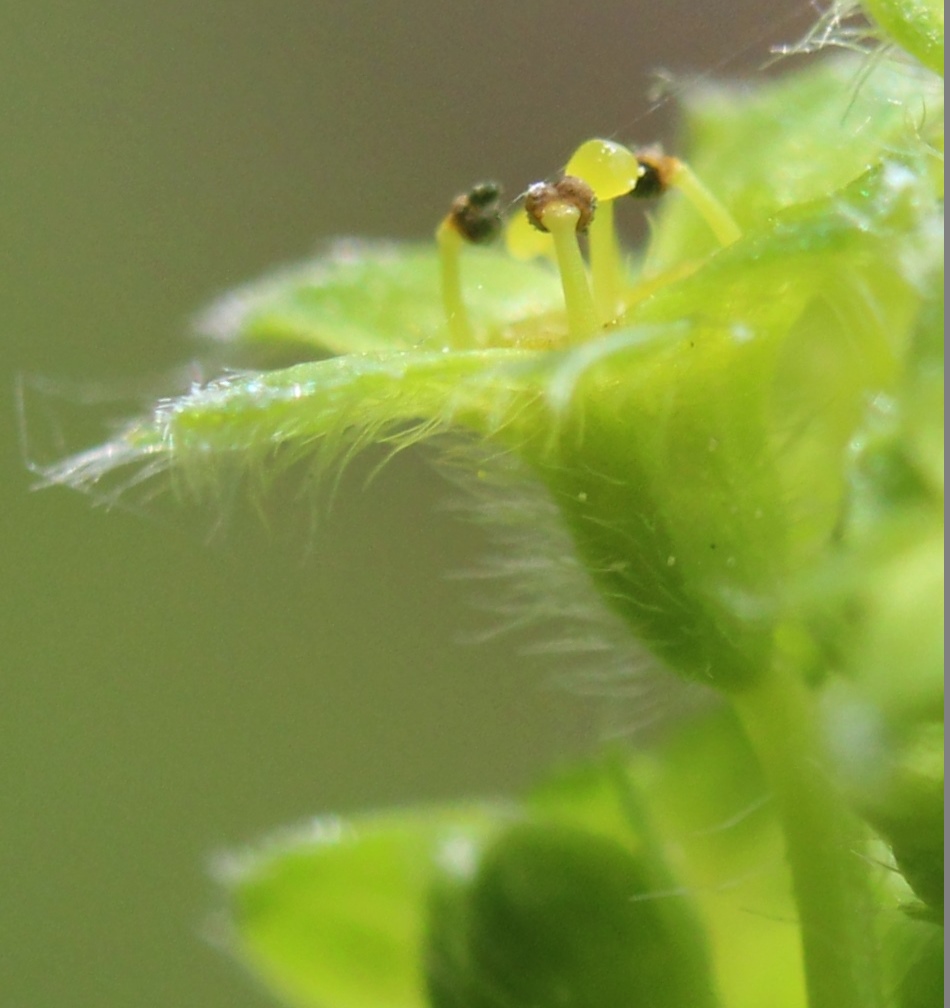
579 202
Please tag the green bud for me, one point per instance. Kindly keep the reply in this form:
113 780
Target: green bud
555 915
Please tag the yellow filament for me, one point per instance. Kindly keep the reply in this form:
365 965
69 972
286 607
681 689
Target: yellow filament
561 221
709 208
606 263
456 315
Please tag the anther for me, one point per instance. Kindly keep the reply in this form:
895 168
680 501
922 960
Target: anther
569 191
655 174
476 215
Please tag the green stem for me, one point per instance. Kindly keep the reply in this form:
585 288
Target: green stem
823 843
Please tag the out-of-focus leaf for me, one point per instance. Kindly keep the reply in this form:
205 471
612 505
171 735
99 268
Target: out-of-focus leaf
366 297
880 615
332 915
922 985
890 567
916 25
712 807
799 139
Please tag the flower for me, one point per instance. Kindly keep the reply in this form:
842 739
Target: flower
690 412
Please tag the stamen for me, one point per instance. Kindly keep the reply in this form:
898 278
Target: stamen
474 217
565 208
661 171
611 170
722 223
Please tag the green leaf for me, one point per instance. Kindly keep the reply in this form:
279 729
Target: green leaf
908 809
332 916
923 983
878 600
888 572
368 297
916 25
255 425
795 140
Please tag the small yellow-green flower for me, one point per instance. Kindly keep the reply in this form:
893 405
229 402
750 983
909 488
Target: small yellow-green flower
740 426
689 405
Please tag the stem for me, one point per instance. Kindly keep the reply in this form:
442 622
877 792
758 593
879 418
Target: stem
605 263
823 843
582 322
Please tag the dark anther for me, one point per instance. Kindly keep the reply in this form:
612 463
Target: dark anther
476 215
656 173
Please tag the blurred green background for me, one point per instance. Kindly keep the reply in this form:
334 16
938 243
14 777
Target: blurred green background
163 698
